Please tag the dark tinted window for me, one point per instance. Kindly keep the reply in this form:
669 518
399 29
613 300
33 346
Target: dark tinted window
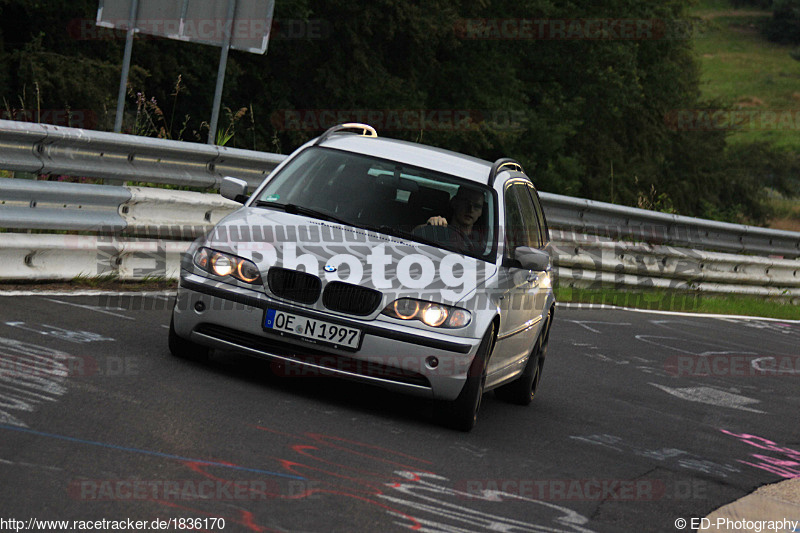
369 192
522 223
540 218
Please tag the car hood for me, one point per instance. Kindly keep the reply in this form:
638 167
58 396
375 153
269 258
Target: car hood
336 252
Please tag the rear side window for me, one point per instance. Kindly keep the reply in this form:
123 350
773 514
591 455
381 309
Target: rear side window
542 221
522 222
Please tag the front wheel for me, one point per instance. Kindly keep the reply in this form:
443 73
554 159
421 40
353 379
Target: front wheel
462 412
522 390
184 348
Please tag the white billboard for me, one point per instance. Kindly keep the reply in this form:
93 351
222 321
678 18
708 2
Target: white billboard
197 21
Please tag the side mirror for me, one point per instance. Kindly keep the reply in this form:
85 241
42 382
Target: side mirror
532 258
234 189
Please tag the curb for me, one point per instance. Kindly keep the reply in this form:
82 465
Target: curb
779 503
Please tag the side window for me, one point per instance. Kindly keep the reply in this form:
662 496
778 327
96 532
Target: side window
541 220
522 228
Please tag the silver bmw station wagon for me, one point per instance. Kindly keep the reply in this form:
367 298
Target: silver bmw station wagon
393 263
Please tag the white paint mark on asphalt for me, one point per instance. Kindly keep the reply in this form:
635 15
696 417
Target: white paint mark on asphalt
31 465
570 305
79 337
773 367
674 456
667 343
605 440
471 449
29 374
584 324
98 309
710 396
605 358
426 493
787 327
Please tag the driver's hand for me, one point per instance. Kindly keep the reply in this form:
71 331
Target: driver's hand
437 221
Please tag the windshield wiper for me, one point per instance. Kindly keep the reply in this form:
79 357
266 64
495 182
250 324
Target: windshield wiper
294 209
395 232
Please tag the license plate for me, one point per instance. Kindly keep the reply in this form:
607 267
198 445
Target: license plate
311 329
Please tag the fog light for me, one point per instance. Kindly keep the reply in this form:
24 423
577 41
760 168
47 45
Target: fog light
432 362
199 307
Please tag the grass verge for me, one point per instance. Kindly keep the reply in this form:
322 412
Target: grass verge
739 67
683 301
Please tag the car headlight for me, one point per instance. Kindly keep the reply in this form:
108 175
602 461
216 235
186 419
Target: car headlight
430 313
223 265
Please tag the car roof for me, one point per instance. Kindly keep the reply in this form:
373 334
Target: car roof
419 155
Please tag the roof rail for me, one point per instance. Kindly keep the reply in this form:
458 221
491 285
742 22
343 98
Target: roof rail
366 131
503 164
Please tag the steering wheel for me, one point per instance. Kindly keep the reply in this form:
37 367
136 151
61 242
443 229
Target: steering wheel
450 236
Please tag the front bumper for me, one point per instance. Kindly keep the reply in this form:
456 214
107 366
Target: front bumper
393 356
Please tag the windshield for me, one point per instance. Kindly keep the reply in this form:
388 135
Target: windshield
388 197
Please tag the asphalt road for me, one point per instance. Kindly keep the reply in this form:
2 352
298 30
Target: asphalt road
641 419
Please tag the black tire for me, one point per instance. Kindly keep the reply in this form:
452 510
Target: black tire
185 349
522 390
462 413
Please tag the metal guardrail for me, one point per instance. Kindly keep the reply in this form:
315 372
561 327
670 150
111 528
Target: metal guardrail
595 242
28 204
108 209
65 257
619 222
57 150
142 232
590 261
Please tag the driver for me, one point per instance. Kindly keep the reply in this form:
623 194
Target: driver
466 208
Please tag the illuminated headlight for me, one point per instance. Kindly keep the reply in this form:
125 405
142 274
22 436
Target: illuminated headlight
247 271
221 265
224 265
434 315
405 308
429 313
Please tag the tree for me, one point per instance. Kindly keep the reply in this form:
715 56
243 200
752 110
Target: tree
784 26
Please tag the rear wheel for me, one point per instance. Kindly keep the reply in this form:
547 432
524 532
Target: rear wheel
462 412
522 390
184 348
